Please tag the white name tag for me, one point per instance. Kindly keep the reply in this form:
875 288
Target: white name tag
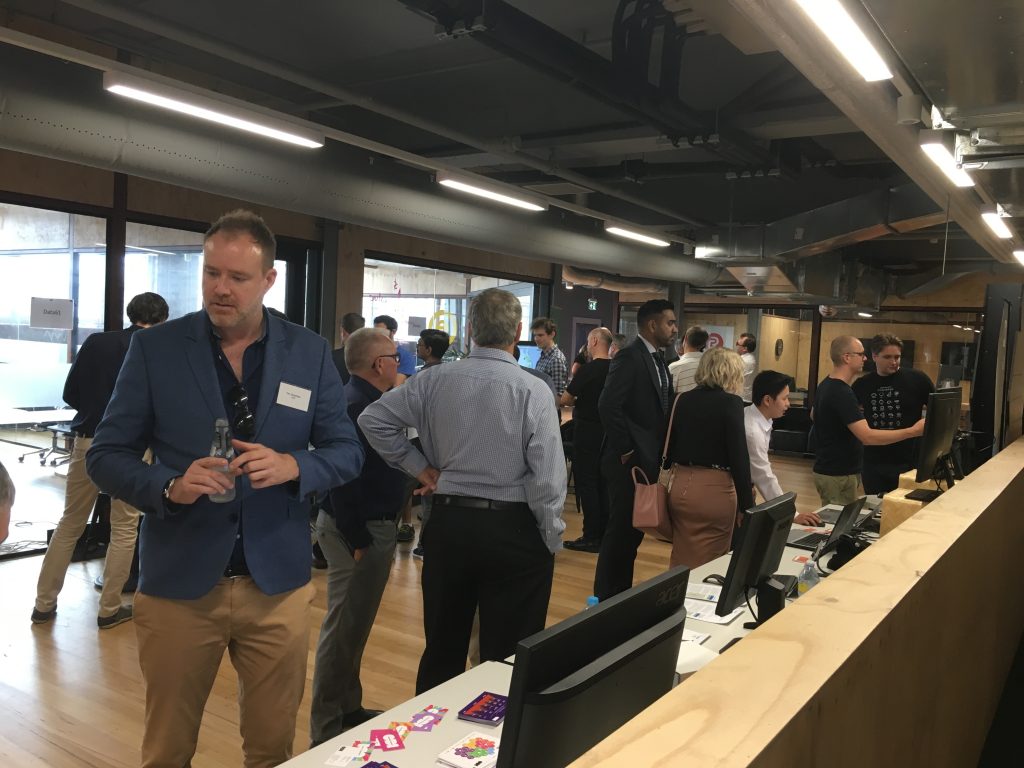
293 396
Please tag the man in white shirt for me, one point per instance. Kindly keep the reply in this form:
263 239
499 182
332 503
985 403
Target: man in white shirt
745 347
771 400
682 370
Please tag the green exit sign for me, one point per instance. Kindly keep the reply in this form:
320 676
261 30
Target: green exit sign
592 305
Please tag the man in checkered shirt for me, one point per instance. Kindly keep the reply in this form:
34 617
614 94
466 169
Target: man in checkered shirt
552 361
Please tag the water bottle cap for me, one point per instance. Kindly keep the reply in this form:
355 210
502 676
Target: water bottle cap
592 601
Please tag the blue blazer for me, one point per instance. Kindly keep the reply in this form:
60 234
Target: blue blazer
167 398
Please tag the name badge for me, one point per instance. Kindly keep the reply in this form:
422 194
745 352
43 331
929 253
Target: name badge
293 397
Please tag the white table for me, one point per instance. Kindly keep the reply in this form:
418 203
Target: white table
422 749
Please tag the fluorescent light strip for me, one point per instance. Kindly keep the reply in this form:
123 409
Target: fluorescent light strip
1019 256
204 108
842 31
490 195
864 314
640 238
942 157
997 225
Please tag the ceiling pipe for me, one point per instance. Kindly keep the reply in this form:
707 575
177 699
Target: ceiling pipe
261 63
589 278
51 109
870 106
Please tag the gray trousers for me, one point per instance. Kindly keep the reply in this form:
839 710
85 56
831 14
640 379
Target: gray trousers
354 592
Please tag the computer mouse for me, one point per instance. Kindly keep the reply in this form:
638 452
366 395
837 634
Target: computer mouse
819 524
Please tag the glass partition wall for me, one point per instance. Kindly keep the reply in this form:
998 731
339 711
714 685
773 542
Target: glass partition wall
420 297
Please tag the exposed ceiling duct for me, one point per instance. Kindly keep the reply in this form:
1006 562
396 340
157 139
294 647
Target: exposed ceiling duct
60 111
589 278
824 229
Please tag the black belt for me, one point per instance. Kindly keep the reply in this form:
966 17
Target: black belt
702 466
474 502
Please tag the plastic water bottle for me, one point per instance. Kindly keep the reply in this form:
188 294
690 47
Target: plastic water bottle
222 449
592 601
808 578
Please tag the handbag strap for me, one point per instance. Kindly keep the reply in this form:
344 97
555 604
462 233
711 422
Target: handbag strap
668 433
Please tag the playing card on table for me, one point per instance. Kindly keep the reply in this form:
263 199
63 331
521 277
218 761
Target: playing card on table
386 739
356 752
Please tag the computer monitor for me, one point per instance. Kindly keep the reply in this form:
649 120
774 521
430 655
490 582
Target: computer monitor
576 682
934 456
763 536
528 355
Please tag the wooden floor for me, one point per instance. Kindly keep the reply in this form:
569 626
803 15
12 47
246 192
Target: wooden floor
71 696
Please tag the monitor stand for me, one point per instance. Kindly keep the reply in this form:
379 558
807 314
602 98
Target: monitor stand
771 597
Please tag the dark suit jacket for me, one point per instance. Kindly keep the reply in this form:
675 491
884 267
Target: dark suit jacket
167 397
90 381
380 491
338 356
630 406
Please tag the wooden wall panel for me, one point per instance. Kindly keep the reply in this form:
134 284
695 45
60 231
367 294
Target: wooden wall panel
42 177
927 343
898 659
787 329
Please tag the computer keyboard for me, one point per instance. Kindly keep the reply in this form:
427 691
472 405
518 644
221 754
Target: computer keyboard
811 540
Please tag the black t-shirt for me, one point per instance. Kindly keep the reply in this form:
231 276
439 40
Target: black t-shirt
893 402
839 452
586 387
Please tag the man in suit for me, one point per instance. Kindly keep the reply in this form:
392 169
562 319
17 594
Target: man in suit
358 533
634 408
235 574
87 389
350 323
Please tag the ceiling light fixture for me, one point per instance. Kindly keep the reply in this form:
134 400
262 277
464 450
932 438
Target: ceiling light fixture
1019 256
629 234
215 110
940 146
993 216
864 314
498 193
842 31
958 326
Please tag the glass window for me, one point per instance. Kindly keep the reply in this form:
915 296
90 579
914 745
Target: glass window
425 297
50 255
170 262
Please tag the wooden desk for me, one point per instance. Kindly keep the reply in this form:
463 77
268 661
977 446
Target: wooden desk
893 661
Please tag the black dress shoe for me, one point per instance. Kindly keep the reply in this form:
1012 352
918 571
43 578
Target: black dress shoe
358 717
583 545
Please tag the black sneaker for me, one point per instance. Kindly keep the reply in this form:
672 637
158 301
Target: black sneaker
418 551
42 617
358 717
124 613
406 533
583 545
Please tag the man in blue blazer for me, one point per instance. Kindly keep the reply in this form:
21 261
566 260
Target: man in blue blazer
232 575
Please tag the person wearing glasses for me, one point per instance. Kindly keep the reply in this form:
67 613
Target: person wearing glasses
358 534
840 428
225 574
88 388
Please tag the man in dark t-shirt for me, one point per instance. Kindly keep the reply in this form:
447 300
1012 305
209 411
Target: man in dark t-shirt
840 427
891 398
588 436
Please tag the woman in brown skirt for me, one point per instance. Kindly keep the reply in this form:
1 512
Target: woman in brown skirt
710 465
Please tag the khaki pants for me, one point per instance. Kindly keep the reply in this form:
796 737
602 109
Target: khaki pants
181 644
79 500
836 489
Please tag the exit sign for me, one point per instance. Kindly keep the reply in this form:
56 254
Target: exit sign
592 305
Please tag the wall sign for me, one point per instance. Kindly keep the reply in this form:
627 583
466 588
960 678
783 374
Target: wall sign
52 313
592 305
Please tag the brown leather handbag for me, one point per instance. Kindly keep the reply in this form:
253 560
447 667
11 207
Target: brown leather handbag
650 502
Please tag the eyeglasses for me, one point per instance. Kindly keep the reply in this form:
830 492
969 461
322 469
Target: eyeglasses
396 357
861 354
243 424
